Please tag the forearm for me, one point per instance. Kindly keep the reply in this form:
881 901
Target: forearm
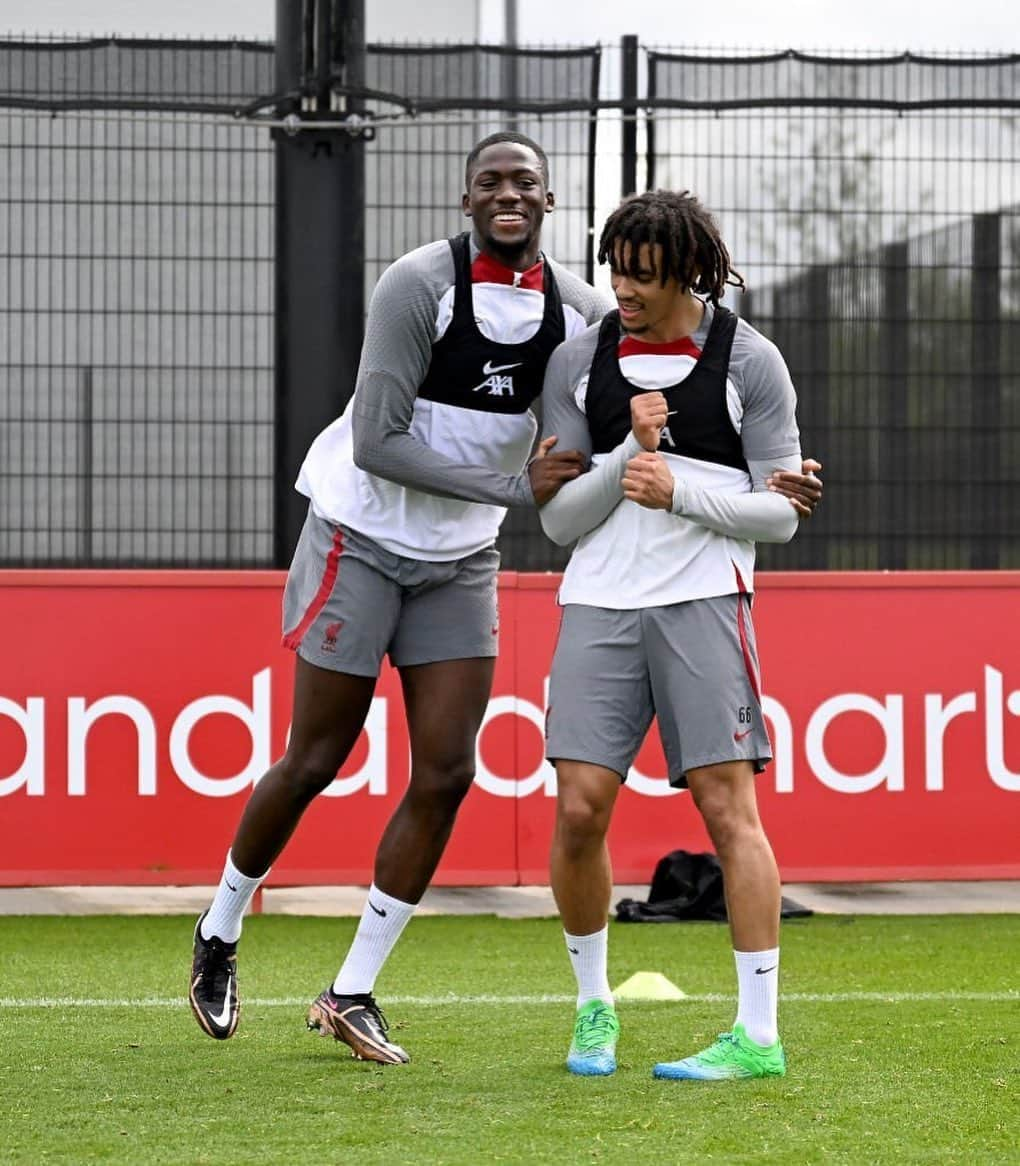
383 448
760 516
399 334
584 503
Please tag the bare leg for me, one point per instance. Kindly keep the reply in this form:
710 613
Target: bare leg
582 882
445 703
725 797
579 864
329 711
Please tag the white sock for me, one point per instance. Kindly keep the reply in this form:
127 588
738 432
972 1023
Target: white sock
382 921
230 903
589 956
758 994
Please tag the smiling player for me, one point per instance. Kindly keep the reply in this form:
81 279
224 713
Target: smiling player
689 416
407 490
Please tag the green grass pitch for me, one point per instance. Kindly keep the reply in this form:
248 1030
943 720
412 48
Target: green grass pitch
903 1038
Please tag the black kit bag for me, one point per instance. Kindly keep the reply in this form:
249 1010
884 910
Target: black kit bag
688 886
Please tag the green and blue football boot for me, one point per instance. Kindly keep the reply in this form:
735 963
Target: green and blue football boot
593 1049
733 1057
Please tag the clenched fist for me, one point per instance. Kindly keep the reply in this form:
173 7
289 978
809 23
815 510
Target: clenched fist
648 415
648 481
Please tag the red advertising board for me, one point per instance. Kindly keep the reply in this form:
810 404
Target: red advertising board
137 709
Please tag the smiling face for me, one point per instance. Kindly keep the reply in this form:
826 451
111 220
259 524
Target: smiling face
648 307
507 198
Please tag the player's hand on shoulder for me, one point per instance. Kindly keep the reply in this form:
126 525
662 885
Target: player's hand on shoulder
803 490
648 481
548 471
648 416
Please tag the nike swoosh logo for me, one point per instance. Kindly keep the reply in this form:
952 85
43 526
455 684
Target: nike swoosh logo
223 1019
230 885
763 971
741 736
573 950
489 368
378 910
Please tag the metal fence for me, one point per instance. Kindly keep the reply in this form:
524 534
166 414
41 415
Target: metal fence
873 205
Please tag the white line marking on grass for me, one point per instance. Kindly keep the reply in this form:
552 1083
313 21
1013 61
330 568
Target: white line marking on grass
516 1001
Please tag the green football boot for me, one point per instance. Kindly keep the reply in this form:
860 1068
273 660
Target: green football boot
593 1049
733 1057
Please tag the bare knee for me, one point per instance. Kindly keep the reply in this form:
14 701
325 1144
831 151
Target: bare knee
581 820
729 810
308 772
439 786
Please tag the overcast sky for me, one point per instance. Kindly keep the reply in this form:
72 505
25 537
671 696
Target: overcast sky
938 26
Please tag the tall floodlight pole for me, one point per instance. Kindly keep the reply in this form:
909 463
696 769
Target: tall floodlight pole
320 208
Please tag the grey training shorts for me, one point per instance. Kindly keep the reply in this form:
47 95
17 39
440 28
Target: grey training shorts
348 602
692 665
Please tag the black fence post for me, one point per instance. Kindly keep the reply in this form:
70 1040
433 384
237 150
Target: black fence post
628 109
893 469
86 521
986 391
593 130
652 90
320 232
511 94
815 392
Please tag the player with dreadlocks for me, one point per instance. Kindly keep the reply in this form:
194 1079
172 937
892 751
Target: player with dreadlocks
687 414
692 250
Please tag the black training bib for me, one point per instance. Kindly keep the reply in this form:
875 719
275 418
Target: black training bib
471 372
699 424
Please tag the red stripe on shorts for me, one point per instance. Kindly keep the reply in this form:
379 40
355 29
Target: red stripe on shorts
293 638
745 647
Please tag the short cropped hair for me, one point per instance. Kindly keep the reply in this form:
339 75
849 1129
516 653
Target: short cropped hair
506 136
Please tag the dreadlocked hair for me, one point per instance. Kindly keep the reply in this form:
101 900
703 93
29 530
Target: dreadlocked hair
692 249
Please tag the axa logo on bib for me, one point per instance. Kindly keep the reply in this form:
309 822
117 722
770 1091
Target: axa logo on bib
35 728
495 384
